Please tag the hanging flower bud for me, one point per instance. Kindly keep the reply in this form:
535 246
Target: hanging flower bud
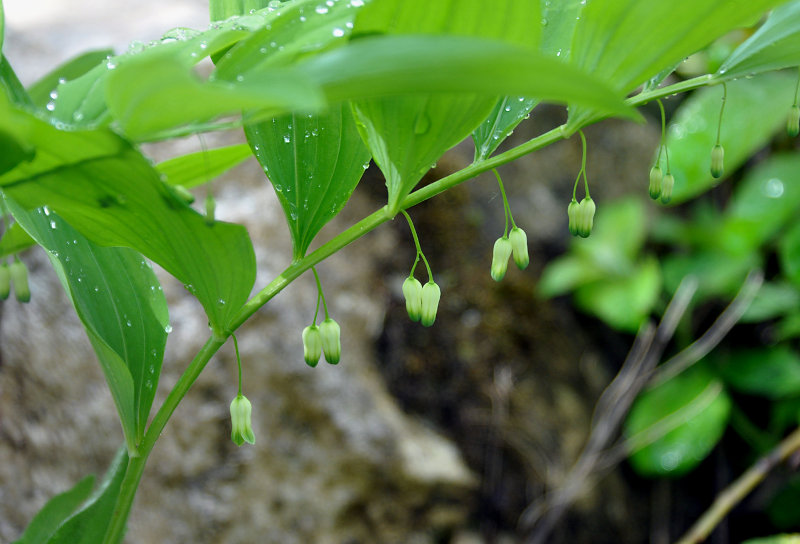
519 247
5 281
572 214
331 340
19 277
585 217
241 426
655 182
666 188
312 345
211 207
717 161
412 291
183 193
793 123
430 303
500 255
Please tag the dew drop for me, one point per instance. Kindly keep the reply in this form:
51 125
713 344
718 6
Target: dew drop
322 10
168 329
338 32
51 106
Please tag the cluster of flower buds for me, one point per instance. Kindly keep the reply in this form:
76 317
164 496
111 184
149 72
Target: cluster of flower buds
241 425
661 185
325 338
516 245
793 122
422 301
717 161
581 217
17 274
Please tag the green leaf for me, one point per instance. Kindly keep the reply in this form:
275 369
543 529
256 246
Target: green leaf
718 273
630 41
766 201
674 426
198 168
755 109
11 87
774 46
773 299
152 96
789 253
14 240
109 192
40 92
14 152
782 509
314 163
566 273
89 524
119 300
773 372
558 21
53 514
623 303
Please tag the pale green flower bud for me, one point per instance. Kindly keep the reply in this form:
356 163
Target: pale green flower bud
585 217
500 255
331 340
430 303
5 281
312 345
666 188
655 182
412 291
241 426
793 122
717 161
19 277
572 214
519 247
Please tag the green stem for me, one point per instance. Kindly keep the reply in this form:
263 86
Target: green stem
293 271
583 166
238 361
321 295
506 206
419 247
722 110
797 87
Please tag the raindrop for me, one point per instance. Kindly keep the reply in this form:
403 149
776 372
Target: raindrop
62 80
46 210
322 10
53 94
221 302
287 139
111 65
544 21
51 106
507 108
168 329
338 32
128 322
302 18
773 188
52 224
78 116
356 3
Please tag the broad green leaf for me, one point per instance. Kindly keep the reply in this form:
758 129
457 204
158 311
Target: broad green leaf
198 168
773 299
406 135
14 240
755 109
314 163
558 21
782 509
789 253
151 96
774 46
13 152
53 514
90 523
43 90
623 303
222 9
11 87
109 192
674 426
775 539
565 274
718 273
766 201
630 41
772 372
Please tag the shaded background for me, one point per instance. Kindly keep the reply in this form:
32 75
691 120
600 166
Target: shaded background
420 435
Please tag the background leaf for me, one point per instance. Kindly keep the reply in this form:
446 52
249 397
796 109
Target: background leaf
755 109
53 514
314 163
773 372
774 46
40 92
674 426
14 240
120 302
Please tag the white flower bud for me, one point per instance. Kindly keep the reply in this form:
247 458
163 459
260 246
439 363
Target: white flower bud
430 303
241 425
500 256
331 340
312 345
412 291
519 247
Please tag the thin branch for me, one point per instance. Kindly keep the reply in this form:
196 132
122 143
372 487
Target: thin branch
739 489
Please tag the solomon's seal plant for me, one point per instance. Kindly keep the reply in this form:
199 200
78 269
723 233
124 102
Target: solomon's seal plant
320 89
